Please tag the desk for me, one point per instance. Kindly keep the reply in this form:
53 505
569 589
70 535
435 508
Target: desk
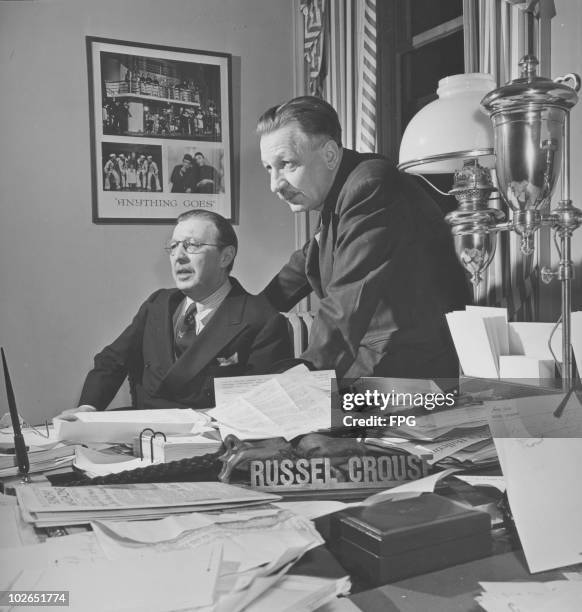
449 590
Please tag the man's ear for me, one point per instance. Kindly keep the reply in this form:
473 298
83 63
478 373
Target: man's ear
227 256
332 155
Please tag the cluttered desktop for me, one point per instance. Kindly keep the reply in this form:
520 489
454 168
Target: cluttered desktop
266 502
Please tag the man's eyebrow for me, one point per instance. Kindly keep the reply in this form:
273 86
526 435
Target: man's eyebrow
277 158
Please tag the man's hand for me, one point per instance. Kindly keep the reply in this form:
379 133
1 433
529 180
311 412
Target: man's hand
71 413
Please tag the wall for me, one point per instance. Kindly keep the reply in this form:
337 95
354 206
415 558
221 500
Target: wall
68 286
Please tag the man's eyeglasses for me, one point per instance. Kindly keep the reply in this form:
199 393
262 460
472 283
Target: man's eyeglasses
190 246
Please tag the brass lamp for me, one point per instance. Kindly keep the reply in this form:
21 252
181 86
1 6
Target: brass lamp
530 117
531 123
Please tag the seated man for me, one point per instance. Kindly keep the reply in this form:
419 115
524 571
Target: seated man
182 338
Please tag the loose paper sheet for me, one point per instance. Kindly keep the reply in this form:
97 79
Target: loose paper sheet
280 407
228 388
543 487
558 595
410 489
473 344
64 550
176 580
250 539
476 480
531 339
96 463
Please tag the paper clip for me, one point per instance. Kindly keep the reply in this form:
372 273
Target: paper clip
153 435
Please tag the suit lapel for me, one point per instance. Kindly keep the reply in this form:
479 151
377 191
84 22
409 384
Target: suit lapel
163 330
225 324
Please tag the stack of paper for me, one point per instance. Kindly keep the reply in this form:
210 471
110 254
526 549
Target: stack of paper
285 406
122 426
61 455
459 437
45 451
490 347
219 562
258 546
56 506
176 447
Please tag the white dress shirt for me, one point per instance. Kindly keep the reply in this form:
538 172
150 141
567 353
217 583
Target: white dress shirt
207 307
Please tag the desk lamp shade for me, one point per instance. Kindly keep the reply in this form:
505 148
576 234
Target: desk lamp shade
452 129
453 135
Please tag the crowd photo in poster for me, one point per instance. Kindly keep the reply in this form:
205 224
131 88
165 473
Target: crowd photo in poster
167 99
160 131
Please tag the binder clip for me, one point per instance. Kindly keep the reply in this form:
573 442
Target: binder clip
154 434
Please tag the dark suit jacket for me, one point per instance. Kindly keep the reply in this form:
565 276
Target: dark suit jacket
384 266
244 325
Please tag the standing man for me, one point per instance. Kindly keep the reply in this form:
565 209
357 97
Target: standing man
183 338
153 175
382 261
142 172
122 170
110 174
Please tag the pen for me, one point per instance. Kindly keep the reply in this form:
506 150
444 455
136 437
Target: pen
19 446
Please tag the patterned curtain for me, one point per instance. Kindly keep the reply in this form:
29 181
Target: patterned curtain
314 41
340 58
512 279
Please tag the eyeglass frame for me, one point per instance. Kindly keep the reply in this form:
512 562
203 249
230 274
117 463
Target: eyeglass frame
190 243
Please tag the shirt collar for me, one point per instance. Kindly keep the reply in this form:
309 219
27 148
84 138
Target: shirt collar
213 301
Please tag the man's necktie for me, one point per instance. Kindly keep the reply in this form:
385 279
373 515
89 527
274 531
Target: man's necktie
186 325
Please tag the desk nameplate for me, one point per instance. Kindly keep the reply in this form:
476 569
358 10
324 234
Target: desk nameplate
321 473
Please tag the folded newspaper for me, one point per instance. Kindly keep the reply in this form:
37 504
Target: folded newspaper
47 506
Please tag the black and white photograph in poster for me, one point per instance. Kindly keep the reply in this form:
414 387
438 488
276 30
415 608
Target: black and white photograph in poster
196 169
160 130
131 167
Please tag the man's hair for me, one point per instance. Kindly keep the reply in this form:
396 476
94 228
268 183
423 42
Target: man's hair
187 156
225 230
198 154
314 116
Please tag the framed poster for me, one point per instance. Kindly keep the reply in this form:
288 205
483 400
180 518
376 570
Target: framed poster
161 131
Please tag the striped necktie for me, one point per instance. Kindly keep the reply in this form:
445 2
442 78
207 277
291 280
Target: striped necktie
186 325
